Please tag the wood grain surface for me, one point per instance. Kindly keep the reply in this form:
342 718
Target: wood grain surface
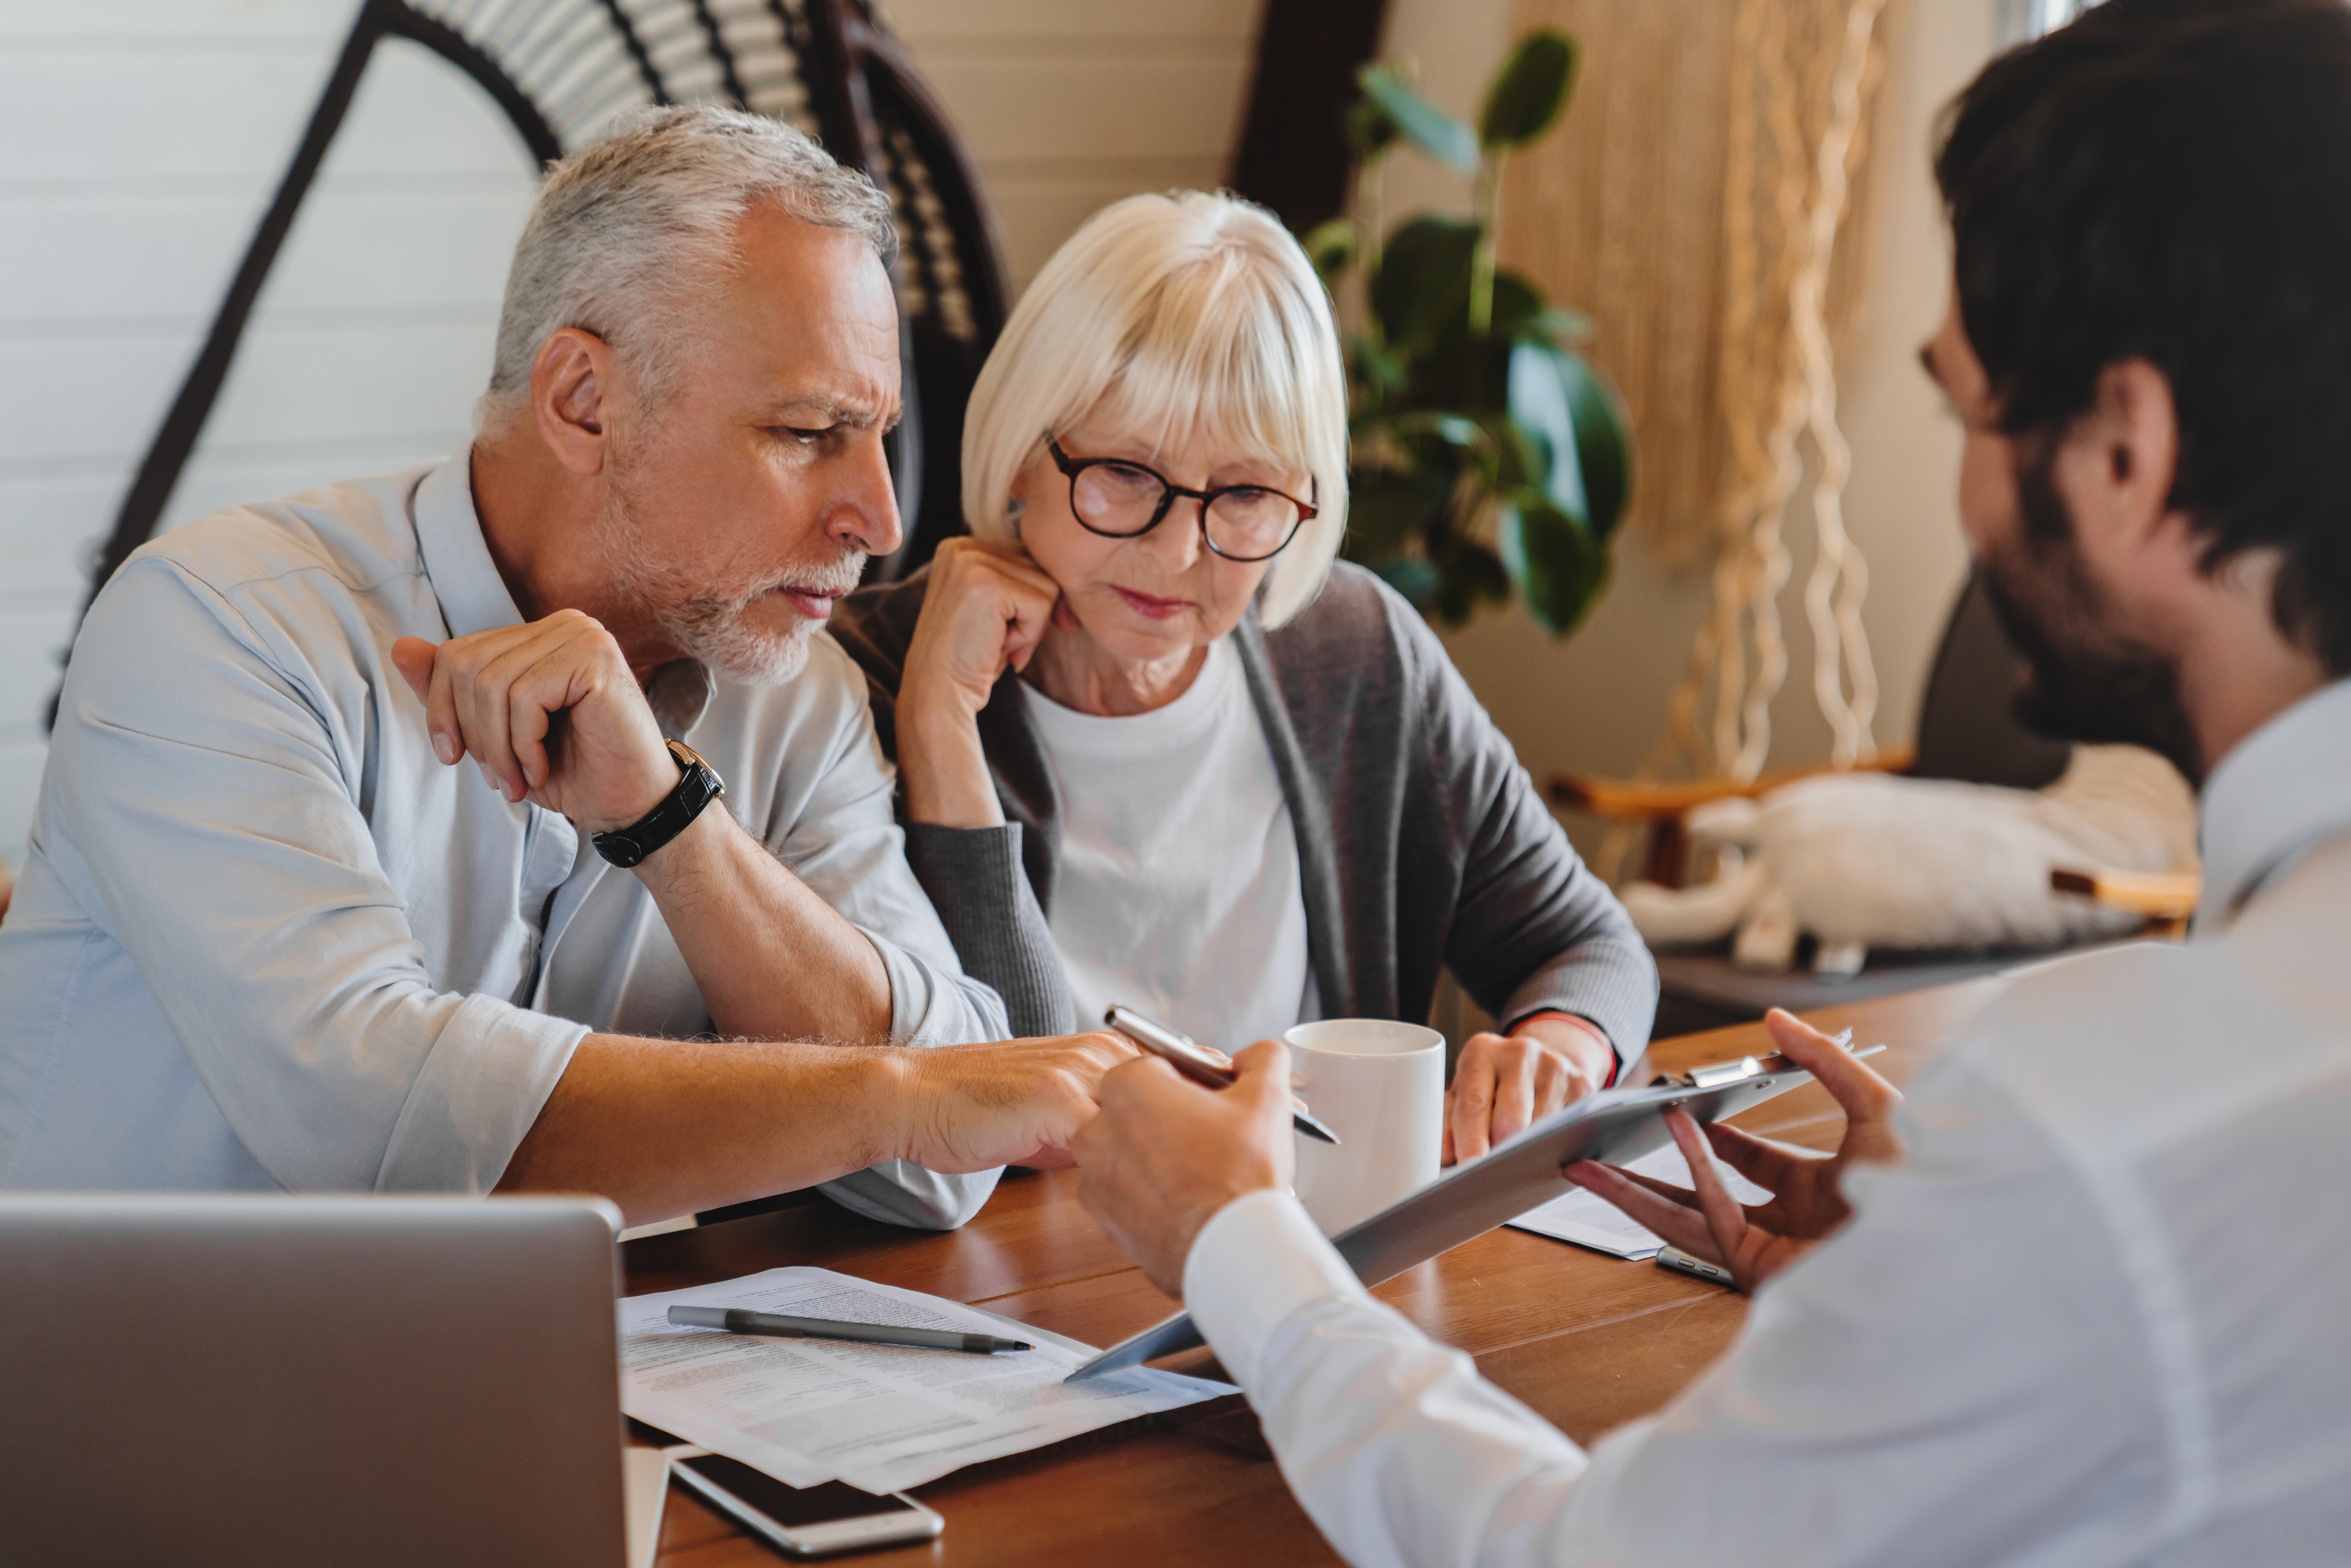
1590 1341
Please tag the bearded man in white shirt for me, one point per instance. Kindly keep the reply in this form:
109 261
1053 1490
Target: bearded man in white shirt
2094 1314
271 935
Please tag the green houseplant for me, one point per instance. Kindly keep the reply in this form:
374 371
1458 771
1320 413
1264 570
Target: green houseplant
1490 459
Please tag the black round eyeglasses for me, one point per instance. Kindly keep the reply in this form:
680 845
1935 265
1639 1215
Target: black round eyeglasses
1123 500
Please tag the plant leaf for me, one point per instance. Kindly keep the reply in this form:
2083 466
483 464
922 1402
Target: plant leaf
1452 429
1331 247
1575 423
1387 506
1371 131
1377 372
1518 304
1472 575
1411 577
1423 279
1529 89
1554 560
1423 124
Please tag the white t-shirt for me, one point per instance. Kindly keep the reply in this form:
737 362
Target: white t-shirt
1178 892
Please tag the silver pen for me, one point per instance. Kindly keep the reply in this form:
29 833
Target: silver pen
1196 1062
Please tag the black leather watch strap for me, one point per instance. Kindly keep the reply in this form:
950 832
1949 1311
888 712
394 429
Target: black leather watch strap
697 786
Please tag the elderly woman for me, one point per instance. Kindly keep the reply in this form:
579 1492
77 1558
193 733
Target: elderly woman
1156 748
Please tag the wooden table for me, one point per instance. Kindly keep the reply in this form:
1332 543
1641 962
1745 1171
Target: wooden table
1588 1341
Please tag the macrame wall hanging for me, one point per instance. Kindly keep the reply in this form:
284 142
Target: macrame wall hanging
1704 205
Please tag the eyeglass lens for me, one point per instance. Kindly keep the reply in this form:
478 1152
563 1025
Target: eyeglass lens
1122 499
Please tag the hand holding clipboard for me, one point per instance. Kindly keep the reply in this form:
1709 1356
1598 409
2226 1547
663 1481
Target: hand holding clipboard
1808 1199
1614 1126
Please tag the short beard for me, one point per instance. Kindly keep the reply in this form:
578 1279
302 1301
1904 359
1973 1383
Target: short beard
706 620
2090 680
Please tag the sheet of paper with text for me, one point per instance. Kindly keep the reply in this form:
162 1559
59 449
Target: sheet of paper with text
881 1417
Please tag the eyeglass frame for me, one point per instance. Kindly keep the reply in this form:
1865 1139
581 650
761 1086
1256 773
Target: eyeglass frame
1071 467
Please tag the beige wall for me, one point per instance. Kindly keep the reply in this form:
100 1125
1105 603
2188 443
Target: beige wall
1596 702
1070 104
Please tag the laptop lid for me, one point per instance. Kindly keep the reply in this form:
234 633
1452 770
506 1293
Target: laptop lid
279 1380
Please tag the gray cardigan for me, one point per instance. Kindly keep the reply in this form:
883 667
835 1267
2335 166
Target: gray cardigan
1421 842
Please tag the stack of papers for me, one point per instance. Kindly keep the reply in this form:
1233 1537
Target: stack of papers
1592 1221
881 1417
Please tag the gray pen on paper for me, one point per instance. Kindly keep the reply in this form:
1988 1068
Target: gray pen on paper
736 1319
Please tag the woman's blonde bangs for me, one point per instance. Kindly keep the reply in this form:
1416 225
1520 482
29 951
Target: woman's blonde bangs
1173 316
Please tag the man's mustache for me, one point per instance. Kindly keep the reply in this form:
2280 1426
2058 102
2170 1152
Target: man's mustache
835 577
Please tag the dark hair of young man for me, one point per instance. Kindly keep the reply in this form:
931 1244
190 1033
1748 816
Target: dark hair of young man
2170 180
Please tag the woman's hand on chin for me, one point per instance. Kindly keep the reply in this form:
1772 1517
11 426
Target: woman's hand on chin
985 610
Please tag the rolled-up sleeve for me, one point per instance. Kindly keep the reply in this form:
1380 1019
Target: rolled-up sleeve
217 831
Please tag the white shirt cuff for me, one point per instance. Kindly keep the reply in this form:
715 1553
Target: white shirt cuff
1257 1261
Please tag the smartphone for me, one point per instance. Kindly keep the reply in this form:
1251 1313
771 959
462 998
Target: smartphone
1681 1262
806 1522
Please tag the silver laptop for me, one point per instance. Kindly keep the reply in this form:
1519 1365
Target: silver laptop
268 1380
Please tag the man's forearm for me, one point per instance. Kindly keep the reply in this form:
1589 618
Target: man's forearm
772 959
669 1127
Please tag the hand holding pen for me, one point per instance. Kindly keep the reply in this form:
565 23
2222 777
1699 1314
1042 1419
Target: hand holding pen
1197 1062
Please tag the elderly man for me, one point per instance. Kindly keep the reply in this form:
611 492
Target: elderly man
2096 1315
272 933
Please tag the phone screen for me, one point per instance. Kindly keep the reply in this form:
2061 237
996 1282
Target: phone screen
793 1506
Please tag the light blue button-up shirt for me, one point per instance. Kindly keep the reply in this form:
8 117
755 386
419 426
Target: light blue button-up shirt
264 938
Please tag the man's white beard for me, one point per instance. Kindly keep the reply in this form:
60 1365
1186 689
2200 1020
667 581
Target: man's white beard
710 621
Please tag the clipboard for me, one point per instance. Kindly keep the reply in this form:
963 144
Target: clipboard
1615 1125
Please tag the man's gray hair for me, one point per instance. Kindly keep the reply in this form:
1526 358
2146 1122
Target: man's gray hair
629 229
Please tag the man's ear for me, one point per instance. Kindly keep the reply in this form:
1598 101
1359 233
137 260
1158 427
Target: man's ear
2125 453
572 383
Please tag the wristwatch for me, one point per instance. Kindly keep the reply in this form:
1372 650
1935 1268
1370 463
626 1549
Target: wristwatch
697 786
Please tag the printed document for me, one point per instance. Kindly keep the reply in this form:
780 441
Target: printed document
883 1418
1590 1220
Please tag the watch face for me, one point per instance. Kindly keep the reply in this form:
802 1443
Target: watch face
619 848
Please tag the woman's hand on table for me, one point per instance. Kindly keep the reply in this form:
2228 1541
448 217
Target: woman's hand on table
986 608
1808 1203
1504 1084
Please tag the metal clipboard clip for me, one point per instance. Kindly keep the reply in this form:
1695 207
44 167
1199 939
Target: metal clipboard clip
1747 1067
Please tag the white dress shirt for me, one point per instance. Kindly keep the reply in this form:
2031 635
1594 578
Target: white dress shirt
265 939
2097 1317
1179 891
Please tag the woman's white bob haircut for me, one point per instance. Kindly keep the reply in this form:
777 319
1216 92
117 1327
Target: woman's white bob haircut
1170 318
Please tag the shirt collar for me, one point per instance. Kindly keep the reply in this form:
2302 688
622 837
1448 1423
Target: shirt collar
679 693
2285 787
474 597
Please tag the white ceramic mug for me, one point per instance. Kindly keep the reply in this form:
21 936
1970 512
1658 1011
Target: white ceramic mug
1381 1087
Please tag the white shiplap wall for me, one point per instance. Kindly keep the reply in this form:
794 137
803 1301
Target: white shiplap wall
140 141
